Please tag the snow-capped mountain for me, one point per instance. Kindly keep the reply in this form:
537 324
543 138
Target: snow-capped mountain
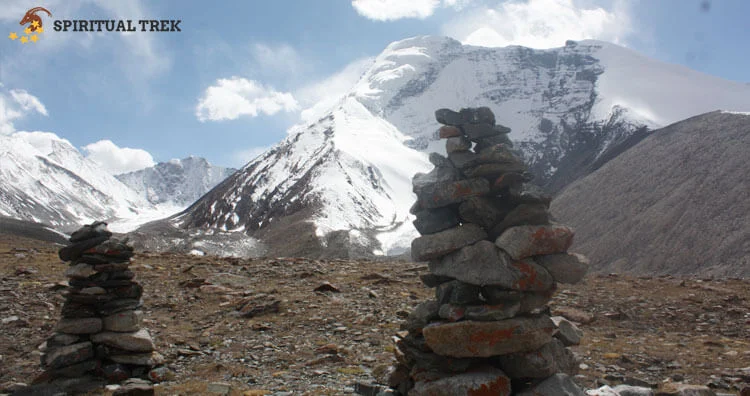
44 178
178 182
347 176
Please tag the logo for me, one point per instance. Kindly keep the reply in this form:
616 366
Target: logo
34 30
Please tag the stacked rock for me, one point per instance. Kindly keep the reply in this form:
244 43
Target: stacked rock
494 256
100 334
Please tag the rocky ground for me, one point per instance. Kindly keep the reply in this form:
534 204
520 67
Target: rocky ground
300 326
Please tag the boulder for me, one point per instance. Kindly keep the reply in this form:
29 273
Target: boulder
485 339
564 267
483 381
551 358
428 247
526 241
556 385
430 221
447 193
567 332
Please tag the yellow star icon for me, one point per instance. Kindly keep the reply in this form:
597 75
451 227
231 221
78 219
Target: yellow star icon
40 29
24 39
13 36
27 30
34 38
35 23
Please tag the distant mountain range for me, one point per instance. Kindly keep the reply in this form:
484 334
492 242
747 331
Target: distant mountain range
341 186
45 179
178 182
678 202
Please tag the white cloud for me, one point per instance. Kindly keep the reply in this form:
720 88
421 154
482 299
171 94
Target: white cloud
321 95
281 58
540 24
115 159
16 104
389 10
231 98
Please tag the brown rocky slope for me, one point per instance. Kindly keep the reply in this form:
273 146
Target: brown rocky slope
678 202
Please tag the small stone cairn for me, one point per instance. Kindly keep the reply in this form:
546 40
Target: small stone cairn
495 256
99 339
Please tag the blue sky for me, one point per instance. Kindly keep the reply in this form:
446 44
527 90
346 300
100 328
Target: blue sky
242 72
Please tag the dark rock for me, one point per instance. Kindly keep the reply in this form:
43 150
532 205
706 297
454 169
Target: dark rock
478 131
551 358
447 193
448 117
131 291
458 143
491 312
422 314
494 170
485 339
509 180
432 280
74 251
529 301
480 210
115 373
448 131
430 221
77 310
564 267
74 370
139 341
526 241
90 231
463 159
457 292
484 264
68 355
140 359
439 160
79 325
477 115
437 175
497 154
79 271
490 141
524 214
427 247
120 305
482 381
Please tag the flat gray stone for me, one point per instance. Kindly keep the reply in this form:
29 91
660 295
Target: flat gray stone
484 264
526 241
484 339
432 246
628 390
125 321
441 174
567 332
430 221
477 115
463 159
422 314
551 358
494 170
448 117
80 271
523 214
556 385
69 355
79 325
528 301
447 193
482 312
565 267
139 341
141 359
457 292
484 380
478 131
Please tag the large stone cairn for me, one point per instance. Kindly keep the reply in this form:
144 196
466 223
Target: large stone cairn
495 256
99 337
